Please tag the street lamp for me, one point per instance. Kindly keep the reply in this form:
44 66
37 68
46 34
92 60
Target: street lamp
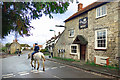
60 26
77 1
52 30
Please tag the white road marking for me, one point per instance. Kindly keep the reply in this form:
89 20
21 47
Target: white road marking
33 70
54 68
55 62
62 66
47 68
41 71
8 75
56 77
23 73
36 71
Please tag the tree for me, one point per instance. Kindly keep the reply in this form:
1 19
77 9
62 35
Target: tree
16 16
7 45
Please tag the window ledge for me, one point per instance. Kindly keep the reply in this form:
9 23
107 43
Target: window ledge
100 49
97 17
73 53
71 36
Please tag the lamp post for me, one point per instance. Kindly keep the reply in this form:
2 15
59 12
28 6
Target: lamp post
60 26
54 31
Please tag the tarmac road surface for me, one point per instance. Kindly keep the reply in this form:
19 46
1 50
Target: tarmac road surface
18 67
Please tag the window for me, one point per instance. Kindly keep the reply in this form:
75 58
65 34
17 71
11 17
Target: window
73 49
71 33
101 11
101 39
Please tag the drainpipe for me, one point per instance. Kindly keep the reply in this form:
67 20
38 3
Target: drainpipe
118 64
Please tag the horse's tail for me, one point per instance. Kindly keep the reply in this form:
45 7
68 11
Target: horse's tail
43 57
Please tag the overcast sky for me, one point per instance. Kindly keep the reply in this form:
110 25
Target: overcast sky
42 26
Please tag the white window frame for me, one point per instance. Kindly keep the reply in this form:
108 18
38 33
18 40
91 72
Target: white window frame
76 48
70 31
96 43
101 11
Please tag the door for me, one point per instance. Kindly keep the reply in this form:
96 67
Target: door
82 52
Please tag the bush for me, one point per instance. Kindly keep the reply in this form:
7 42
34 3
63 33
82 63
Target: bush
43 50
4 49
66 59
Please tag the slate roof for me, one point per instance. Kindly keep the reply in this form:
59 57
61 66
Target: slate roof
85 10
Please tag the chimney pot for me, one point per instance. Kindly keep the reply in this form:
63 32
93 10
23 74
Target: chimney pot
15 40
80 6
58 33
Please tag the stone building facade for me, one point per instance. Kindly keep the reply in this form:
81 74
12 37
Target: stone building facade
14 46
92 34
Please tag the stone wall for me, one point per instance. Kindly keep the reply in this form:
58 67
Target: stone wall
65 41
119 28
109 22
14 46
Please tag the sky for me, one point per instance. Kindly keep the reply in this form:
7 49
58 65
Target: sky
42 26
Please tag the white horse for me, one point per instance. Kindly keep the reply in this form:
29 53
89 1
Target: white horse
37 57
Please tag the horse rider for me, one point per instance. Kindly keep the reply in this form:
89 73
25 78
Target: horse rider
36 49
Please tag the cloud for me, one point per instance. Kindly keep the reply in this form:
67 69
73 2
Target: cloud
42 26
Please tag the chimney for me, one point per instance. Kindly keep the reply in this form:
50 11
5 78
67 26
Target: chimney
15 40
58 33
55 37
80 6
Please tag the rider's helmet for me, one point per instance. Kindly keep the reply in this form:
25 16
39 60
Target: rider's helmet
36 44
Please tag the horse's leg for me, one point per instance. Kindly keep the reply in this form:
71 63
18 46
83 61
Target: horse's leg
43 66
43 59
38 64
34 64
31 63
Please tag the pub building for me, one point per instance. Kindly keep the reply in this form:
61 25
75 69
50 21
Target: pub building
92 34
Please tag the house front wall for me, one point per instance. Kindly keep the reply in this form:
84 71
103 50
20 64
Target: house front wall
14 46
119 29
110 23
65 41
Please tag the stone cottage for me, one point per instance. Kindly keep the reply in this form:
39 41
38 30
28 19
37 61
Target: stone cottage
50 43
92 34
14 46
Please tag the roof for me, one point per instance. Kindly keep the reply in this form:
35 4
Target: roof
40 46
24 45
53 38
80 40
86 9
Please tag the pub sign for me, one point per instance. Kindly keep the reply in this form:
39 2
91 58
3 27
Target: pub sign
83 23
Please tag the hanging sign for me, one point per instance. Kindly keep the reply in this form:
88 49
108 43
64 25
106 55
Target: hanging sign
83 23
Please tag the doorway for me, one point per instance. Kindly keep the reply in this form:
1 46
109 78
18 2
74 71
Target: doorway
82 52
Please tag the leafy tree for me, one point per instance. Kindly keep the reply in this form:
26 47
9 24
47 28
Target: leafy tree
7 44
24 45
16 16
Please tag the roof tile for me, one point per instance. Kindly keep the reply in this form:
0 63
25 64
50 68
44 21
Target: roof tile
85 9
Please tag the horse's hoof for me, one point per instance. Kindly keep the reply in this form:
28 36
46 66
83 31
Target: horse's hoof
43 69
37 68
34 67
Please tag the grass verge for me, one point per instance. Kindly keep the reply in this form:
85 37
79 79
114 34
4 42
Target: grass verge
66 59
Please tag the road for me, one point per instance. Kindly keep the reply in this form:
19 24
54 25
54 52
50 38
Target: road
19 67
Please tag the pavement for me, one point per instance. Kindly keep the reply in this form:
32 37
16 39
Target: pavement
4 55
87 67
